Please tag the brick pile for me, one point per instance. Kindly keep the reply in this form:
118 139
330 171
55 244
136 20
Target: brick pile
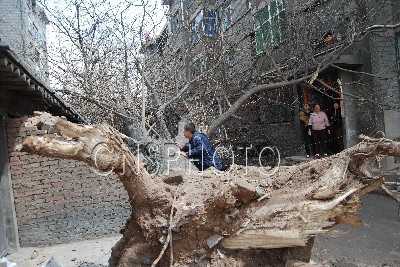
58 200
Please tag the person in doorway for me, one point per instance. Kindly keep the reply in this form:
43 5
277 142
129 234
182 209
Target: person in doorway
199 149
328 38
318 125
335 119
304 120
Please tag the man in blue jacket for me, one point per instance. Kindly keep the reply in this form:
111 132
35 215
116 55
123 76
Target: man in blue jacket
199 149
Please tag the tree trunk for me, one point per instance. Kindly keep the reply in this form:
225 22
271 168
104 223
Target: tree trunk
235 218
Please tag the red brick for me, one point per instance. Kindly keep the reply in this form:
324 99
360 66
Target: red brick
55 198
42 196
59 184
32 166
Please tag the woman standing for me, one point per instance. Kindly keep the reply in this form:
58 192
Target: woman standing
304 119
319 123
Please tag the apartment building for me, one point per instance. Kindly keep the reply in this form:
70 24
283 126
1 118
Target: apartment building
220 50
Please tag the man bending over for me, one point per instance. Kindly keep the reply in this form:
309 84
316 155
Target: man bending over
199 149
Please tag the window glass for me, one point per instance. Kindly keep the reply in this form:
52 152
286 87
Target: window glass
199 67
227 17
231 60
196 26
269 25
210 23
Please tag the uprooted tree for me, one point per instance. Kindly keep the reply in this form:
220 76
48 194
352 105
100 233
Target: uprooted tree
237 218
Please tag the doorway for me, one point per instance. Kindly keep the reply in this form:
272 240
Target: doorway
327 98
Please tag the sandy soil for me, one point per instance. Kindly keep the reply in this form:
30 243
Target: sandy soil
95 251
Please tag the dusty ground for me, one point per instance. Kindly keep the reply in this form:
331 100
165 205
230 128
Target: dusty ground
374 243
88 253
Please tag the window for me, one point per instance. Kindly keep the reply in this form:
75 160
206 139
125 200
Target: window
152 48
269 25
179 59
175 22
196 27
231 62
210 23
161 41
227 17
199 67
248 4
274 107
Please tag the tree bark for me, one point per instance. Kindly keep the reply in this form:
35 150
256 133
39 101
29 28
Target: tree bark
241 217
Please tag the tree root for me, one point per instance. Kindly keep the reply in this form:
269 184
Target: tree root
240 209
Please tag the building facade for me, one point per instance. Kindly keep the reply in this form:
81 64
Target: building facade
24 31
220 50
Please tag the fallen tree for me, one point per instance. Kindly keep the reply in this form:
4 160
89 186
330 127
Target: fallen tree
237 218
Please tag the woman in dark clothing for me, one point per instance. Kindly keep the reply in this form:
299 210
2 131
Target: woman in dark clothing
304 119
335 118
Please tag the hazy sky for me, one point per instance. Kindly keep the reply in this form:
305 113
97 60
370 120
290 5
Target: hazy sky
155 17
154 21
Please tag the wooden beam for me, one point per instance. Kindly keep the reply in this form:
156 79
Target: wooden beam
3 62
16 72
266 239
9 67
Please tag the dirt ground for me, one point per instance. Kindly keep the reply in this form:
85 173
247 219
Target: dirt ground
376 242
88 253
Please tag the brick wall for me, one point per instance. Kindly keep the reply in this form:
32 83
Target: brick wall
61 200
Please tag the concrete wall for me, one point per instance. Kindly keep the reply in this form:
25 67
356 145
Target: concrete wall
23 29
61 200
7 209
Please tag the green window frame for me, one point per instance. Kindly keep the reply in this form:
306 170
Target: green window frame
269 25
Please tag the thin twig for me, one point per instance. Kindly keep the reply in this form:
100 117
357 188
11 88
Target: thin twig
169 237
170 230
